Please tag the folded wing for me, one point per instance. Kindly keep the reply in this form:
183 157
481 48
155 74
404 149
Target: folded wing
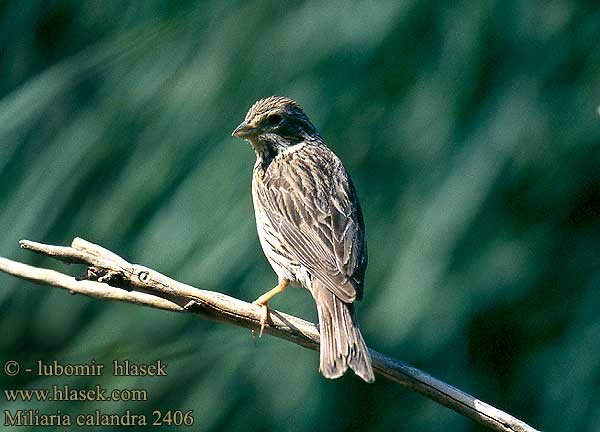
312 205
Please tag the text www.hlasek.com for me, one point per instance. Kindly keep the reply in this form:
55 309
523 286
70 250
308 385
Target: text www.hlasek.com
66 393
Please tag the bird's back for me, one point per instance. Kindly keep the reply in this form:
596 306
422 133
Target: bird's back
309 219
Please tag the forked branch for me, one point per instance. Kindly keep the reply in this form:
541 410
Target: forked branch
110 277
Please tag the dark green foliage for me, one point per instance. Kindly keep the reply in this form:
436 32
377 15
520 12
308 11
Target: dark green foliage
470 130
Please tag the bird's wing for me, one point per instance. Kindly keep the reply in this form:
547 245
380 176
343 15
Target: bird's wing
311 202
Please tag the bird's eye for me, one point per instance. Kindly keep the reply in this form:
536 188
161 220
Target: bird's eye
273 120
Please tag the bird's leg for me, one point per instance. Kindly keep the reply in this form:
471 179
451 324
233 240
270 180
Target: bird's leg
263 301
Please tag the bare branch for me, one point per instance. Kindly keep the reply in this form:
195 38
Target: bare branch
110 277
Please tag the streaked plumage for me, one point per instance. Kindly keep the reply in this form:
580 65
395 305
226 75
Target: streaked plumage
310 225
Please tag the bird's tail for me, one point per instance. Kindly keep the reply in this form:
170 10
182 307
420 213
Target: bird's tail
342 345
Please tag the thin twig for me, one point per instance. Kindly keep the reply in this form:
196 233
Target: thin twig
110 277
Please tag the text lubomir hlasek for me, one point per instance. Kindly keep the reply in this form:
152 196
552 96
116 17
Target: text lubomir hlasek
119 368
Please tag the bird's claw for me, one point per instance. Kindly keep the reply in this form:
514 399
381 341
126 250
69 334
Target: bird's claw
264 316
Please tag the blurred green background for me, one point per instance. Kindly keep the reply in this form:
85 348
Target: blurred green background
471 133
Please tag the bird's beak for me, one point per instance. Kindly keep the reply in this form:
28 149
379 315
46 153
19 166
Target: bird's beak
244 130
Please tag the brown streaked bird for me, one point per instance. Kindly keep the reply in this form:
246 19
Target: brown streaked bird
310 227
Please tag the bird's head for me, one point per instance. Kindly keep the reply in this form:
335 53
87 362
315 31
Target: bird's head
274 124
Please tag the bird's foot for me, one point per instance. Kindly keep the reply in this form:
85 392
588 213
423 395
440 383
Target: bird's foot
263 302
264 315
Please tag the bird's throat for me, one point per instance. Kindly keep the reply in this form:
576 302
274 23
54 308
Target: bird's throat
265 152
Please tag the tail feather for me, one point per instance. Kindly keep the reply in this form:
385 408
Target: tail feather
342 344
